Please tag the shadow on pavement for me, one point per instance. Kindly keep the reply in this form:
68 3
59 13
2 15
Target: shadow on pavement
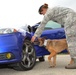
5 66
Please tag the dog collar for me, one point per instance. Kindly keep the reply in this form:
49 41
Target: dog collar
45 42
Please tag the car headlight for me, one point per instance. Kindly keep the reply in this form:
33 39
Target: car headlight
7 30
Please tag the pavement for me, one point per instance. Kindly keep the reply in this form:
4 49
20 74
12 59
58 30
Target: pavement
42 68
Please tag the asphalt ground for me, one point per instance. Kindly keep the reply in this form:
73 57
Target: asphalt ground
42 68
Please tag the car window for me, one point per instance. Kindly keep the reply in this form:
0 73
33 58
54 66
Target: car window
52 25
49 25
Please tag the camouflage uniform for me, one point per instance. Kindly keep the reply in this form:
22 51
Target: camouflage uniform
66 17
70 26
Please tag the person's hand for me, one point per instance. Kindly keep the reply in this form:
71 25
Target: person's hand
33 38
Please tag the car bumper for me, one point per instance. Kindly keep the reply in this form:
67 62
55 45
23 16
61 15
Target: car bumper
10 48
10 57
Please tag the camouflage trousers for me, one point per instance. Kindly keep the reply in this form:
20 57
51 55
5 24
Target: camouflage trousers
70 31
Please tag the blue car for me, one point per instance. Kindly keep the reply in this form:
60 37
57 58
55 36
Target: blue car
17 50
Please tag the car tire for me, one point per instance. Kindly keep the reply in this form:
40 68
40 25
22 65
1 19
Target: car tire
28 57
41 59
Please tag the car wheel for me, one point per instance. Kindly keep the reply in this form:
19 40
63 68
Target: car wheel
28 57
41 59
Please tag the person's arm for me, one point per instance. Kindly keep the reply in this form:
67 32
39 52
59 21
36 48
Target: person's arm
47 17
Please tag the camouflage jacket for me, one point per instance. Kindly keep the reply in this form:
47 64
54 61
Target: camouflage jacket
57 14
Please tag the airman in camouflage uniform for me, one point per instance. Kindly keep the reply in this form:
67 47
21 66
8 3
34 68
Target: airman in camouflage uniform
66 17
